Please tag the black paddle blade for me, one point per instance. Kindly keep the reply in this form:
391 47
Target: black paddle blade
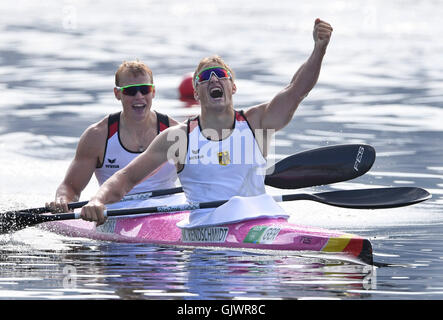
14 221
321 166
378 198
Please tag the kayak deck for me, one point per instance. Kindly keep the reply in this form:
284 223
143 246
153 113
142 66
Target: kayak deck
260 233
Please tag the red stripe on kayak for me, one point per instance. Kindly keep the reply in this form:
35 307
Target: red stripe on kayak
354 247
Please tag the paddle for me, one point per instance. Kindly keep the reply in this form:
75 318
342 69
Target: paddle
135 196
322 166
315 167
357 199
377 198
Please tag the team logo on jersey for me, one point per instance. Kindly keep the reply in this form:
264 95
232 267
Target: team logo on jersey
111 164
223 158
197 155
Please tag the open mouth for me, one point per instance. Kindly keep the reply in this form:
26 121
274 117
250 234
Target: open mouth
216 93
139 105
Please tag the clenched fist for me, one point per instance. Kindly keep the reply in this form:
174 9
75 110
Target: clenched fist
322 33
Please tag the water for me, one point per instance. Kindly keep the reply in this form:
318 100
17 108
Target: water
381 84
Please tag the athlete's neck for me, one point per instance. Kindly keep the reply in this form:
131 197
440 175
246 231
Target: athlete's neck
137 135
220 122
135 124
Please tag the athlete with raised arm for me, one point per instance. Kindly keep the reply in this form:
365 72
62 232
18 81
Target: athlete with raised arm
203 149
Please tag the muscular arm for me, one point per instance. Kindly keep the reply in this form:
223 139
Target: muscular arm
162 149
279 111
125 179
90 148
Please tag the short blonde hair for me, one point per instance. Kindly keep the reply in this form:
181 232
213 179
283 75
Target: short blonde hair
136 68
211 59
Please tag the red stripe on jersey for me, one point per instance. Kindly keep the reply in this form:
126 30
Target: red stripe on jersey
239 116
113 128
163 126
193 124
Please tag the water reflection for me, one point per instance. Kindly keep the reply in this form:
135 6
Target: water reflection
80 269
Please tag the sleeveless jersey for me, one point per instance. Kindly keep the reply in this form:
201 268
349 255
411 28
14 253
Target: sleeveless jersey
221 169
116 157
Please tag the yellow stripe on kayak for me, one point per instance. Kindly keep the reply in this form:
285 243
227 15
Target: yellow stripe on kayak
338 244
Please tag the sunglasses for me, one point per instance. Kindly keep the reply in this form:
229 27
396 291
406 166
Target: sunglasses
131 90
206 74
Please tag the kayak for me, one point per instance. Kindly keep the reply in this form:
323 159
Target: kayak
259 234
158 224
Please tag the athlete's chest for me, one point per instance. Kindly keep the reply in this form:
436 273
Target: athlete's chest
137 142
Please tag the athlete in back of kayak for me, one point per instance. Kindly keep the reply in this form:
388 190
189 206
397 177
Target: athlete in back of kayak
112 143
205 149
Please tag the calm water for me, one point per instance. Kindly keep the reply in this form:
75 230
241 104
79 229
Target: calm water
381 84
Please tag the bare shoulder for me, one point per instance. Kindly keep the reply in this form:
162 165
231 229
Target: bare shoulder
255 115
94 137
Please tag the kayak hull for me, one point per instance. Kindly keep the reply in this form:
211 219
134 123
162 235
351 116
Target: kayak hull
259 233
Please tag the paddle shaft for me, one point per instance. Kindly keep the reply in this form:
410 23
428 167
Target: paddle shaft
136 196
375 198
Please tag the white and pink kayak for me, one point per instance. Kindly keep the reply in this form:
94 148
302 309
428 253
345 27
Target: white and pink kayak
259 233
